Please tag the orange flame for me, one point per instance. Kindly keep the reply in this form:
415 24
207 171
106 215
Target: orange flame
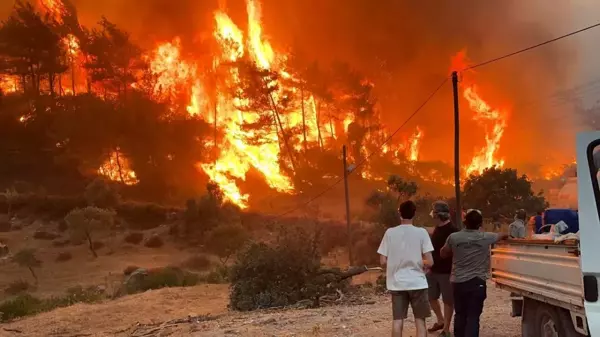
55 8
414 145
117 168
8 84
493 119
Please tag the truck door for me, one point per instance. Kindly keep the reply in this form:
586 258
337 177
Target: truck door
588 164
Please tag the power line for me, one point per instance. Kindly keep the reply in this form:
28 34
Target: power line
531 47
330 187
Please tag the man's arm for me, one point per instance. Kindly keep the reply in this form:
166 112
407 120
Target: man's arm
383 260
383 251
427 260
446 251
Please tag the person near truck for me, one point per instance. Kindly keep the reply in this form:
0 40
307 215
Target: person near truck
405 252
517 229
470 250
438 276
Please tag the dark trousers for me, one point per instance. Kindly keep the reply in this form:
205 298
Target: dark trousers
468 305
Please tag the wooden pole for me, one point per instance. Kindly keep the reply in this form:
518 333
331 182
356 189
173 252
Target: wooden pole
348 227
458 214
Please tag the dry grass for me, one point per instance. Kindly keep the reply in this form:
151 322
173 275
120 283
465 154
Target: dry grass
119 317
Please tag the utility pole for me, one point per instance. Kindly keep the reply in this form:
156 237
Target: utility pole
348 227
456 150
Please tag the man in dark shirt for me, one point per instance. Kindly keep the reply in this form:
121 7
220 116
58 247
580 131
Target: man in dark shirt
438 277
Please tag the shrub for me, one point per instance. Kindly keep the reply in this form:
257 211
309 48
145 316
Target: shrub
22 305
26 258
84 221
197 262
154 241
17 287
276 275
158 278
134 238
64 256
226 240
100 193
208 211
26 304
143 215
130 269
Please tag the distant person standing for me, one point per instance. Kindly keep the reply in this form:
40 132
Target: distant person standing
496 221
517 229
438 277
470 250
405 252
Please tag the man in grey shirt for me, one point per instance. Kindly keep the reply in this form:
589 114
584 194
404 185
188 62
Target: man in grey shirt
470 250
517 228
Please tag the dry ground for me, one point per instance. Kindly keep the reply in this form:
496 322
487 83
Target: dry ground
120 317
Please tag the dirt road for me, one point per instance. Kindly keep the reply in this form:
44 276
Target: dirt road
121 317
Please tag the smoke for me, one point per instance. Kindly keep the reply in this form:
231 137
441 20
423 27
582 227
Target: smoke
405 47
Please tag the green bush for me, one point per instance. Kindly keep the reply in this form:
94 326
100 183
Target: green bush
101 194
27 258
83 222
144 216
17 287
159 278
26 304
22 305
225 240
130 269
276 275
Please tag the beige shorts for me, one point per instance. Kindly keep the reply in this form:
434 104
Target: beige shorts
417 299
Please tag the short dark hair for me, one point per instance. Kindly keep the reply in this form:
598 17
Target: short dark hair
521 214
473 219
407 210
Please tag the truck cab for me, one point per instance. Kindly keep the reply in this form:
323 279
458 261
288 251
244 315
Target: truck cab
588 165
554 283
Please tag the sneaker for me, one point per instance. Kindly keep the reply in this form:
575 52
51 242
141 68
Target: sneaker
436 327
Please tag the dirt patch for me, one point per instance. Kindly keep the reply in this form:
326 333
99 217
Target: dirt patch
147 312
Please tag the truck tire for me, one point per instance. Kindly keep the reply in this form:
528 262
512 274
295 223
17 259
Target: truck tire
528 318
548 322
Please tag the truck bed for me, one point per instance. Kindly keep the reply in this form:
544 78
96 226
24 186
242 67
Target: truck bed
540 269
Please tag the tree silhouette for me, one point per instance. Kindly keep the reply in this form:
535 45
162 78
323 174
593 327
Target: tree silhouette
113 59
84 221
501 191
30 48
26 258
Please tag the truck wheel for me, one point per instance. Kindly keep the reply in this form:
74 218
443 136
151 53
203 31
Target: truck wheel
548 322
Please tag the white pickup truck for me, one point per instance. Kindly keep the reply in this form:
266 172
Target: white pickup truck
554 286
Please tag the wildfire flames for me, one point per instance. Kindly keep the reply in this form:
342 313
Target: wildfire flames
117 168
185 85
414 144
492 119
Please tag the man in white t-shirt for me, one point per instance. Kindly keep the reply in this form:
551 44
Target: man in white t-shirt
405 253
